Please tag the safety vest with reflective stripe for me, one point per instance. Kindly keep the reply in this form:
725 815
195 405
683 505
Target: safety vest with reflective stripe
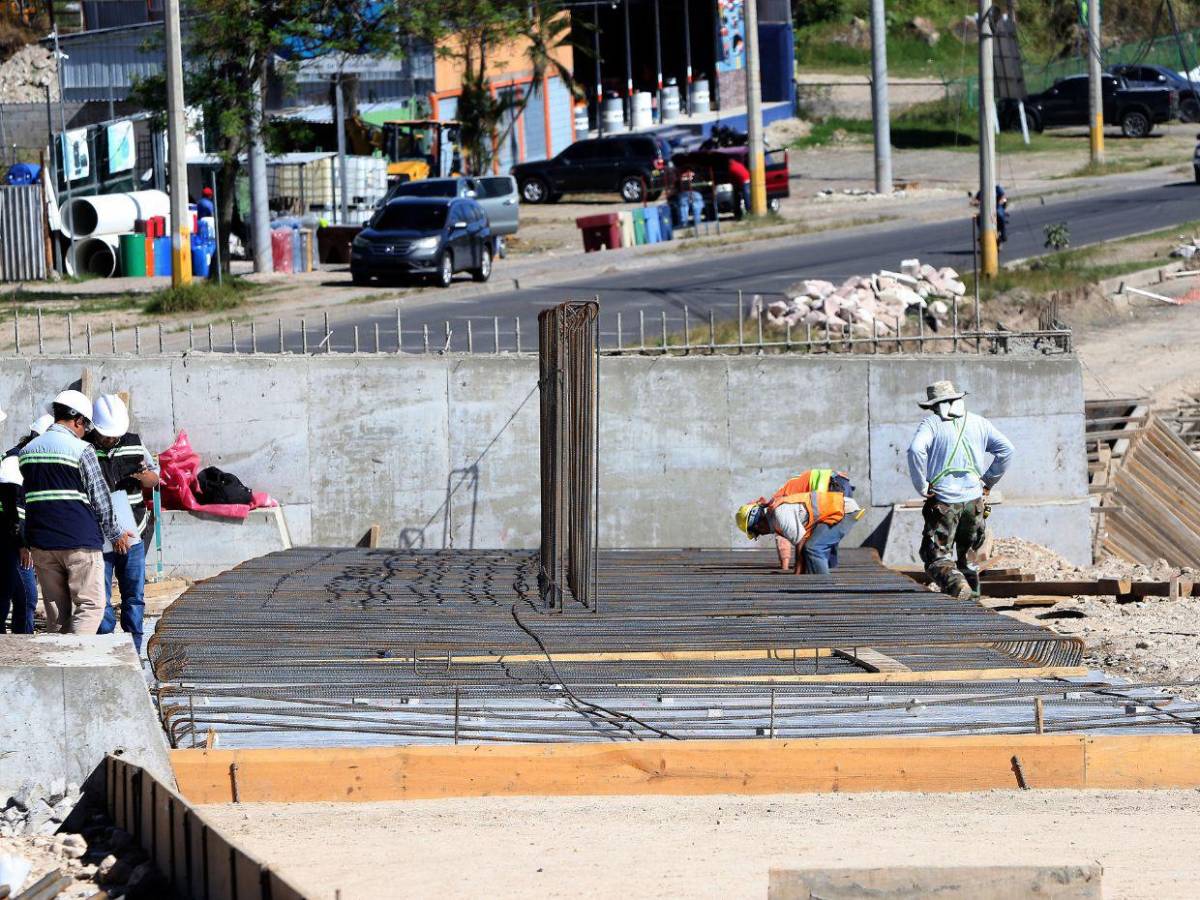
823 507
807 481
58 514
119 463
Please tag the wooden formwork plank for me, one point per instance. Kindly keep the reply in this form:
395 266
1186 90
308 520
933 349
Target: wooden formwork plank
652 767
1144 762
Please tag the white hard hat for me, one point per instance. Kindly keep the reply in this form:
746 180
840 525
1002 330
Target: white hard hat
41 423
111 416
10 470
76 401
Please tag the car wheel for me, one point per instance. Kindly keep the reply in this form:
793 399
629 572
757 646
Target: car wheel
360 278
1034 122
774 205
1135 124
484 272
1189 110
632 189
445 270
534 190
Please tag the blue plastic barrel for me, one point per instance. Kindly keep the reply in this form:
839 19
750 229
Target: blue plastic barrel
666 223
24 173
162 256
201 256
297 250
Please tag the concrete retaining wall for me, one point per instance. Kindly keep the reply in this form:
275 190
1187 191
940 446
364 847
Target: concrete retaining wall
443 450
68 702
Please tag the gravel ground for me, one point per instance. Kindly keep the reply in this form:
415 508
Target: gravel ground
1153 640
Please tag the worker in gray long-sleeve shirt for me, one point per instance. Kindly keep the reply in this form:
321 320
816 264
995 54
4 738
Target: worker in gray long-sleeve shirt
945 462
68 517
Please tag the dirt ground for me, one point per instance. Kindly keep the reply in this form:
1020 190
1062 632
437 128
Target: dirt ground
718 847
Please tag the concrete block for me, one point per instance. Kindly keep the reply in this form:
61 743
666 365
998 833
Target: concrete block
494 463
381 451
1065 882
1063 526
1050 460
16 400
249 416
665 469
198 546
69 701
816 422
997 386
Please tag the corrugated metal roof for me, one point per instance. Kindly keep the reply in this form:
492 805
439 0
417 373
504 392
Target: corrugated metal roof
115 56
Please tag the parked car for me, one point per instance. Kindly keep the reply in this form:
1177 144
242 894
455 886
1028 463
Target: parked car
498 196
1136 109
454 186
1143 75
434 236
636 166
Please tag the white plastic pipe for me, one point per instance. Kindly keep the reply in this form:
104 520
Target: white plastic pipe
112 213
96 255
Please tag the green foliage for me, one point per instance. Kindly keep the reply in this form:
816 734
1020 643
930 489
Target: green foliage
1058 236
200 296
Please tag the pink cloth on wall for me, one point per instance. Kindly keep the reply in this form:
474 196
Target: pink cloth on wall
179 465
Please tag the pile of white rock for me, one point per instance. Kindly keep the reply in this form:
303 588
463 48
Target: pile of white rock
872 304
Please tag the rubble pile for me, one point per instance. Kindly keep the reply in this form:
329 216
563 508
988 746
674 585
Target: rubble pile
38 810
872 304
25 75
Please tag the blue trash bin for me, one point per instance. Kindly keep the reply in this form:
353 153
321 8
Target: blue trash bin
665 222
653 227
201 256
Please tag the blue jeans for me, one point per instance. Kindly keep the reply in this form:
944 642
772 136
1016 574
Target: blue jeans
820 550
131 579
691 208
18 591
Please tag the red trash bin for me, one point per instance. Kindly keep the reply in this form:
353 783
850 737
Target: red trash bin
281 249
600 232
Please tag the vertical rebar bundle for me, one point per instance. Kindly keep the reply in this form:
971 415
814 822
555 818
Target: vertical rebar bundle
569 401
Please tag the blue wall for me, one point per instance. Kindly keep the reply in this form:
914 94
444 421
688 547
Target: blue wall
777 62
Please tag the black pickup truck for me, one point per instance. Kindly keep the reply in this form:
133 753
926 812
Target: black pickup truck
1136 109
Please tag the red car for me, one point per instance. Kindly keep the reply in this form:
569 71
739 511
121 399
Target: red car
716 161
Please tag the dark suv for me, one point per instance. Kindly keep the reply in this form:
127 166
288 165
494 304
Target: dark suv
636 166
424 236
1145 75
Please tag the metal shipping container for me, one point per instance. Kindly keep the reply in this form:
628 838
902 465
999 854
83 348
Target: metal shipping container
22 233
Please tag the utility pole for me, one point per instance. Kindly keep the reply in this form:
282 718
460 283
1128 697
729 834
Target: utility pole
880 111
260 213
989 253
59 56
181 220
1095 83
754 126
339 111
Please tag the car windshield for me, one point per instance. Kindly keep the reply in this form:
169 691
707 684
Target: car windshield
427 189
410 217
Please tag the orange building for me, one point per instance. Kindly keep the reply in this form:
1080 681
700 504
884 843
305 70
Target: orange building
544 127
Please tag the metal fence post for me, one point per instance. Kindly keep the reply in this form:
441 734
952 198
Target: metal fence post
70 337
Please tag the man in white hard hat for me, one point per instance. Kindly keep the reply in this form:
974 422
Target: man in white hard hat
18 584
68 517
945 461
129 469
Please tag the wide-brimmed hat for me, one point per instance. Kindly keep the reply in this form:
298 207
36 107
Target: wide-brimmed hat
940 392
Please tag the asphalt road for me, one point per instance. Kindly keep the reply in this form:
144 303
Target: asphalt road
713 282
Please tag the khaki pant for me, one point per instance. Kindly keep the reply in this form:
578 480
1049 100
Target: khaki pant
72 583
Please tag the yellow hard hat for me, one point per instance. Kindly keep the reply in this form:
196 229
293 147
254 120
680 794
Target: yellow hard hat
743 519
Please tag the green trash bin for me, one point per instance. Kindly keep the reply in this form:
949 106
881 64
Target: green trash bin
639 225
132 252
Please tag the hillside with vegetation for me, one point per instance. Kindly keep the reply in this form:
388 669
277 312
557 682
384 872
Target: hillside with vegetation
936 38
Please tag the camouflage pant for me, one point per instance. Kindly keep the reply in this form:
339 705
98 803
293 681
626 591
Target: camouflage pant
952 530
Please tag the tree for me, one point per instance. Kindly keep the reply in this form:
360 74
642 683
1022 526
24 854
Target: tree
230 44
470 32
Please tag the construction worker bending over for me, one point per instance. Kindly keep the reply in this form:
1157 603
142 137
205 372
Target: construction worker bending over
945 462
68 517
823 541
795 518
18 584
128 468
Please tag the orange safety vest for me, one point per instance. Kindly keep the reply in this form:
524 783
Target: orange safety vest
823 507
806 482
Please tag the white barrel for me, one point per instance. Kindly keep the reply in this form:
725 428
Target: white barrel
93 256
699 102
643 110
111 213
581 119
669 102
612 119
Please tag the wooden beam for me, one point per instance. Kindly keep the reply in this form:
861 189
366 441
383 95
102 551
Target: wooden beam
871 660
970 763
